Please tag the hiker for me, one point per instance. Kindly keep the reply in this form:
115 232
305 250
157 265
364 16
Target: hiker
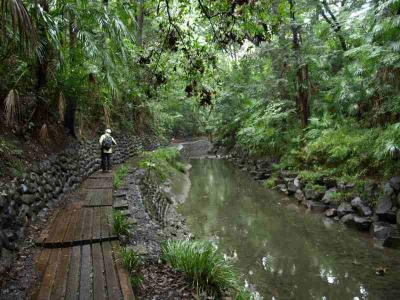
106 142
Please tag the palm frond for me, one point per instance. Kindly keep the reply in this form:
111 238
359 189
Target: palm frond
16 12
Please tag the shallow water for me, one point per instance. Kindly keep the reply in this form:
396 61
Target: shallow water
282 252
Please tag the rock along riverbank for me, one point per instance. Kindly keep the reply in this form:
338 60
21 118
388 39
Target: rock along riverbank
382 221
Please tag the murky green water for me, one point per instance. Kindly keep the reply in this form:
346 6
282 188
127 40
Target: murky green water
284 253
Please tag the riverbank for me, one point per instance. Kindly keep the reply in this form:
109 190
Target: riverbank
371 208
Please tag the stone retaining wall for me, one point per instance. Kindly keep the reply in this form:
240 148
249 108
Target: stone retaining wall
48 181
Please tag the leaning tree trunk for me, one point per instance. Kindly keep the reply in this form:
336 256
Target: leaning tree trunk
301 71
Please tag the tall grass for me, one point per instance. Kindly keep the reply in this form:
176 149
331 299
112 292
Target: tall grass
204 266
120 223
119 175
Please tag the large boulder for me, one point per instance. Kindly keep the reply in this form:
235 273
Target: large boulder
299 195
393 239
361 207
292 188
388 189
381 230
357 222
344 209
331 212
395 183
328 196
316 206
314 193
384 209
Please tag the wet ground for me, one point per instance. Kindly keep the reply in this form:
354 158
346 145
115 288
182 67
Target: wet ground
282 252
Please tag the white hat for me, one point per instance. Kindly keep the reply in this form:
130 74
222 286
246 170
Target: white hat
108 130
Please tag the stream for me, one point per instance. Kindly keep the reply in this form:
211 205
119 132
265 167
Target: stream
282 251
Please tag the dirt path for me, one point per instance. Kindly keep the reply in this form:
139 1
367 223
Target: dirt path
78 259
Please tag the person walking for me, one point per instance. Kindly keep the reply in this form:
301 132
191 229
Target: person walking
106 142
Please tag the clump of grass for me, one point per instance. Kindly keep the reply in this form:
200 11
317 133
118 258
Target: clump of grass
130 259
204 266
162 162
119 176
271 182
120 223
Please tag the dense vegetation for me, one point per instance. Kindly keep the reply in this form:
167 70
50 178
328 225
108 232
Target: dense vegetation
312 83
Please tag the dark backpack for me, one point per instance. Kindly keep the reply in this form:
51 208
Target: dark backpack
107 143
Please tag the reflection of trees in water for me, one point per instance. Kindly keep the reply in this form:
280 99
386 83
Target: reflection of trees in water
303 258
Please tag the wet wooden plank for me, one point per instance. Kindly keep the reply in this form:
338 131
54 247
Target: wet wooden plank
79 226
62 228
49 275
41 263
88 225
105 229
73 274
99 197
120 204
85 287
52 228
100 174
98 183
113 288
60 283
125 284
69 235
99 282
96 235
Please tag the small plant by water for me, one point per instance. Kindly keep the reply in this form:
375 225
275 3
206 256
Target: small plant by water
120 223
119 175
205 267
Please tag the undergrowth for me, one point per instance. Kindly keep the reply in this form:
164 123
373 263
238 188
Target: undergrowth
162 162
205 267
131 261
120 223
119 176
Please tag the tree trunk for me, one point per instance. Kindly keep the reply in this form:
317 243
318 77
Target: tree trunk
140 21
42 67
301 71
70 110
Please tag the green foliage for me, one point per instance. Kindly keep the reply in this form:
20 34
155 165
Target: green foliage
271 182
130 260
205 267
162 162
264 130
120 223
119 176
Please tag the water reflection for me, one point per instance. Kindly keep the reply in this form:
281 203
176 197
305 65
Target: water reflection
286 254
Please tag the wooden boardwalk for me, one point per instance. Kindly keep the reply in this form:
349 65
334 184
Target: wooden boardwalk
79 258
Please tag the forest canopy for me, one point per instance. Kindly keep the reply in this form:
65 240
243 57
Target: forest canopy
313 83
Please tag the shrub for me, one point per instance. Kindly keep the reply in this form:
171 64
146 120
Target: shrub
119 175
205 267
120 223
162 162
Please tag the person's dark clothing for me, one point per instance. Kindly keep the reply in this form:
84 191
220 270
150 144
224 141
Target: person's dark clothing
105 161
